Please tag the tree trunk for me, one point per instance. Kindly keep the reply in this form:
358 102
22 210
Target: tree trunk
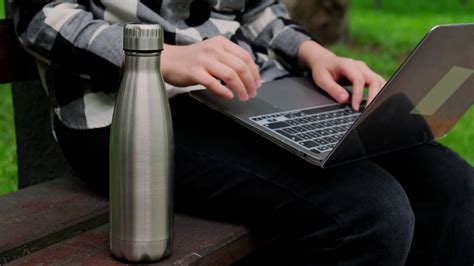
326 20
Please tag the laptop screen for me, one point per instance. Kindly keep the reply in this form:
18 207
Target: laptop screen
425 98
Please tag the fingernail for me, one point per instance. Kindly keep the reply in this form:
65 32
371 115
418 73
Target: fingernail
230 95
244 98
253 94
356 107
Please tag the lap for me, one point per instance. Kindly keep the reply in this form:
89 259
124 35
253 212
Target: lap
222 163
432 176
228 172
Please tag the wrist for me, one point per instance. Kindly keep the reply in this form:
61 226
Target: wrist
310 53
166 60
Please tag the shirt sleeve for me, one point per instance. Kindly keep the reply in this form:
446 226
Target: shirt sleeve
67 37
267 24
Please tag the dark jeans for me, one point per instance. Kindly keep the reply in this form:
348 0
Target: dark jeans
417 203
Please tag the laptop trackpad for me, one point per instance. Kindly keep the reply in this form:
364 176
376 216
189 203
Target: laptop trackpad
293 93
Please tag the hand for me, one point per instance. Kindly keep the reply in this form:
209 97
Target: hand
327 69
208 63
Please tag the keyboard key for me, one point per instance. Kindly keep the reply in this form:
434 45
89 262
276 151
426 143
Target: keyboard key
339 129
292 122
317 117
277 125
330 139
301 120
315 151
316 125
304 136
332 114
325 124
299 129
290 131
349 111
295 138
340 113
324 148
320 141
309 144
323 132
308 127
325 116
346 127
352 118
314 134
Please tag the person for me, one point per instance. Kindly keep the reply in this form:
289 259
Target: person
410 206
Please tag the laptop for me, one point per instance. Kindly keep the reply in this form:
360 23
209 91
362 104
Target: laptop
421 102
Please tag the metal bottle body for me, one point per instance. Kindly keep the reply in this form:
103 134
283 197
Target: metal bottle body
141 163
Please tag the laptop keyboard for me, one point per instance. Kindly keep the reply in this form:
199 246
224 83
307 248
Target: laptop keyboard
316 129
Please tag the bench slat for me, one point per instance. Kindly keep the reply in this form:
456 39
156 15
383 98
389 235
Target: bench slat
41 215
61 222
197 242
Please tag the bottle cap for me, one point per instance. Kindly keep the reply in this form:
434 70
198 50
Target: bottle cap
142 37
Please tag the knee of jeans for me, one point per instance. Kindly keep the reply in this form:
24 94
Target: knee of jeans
395 224
392 223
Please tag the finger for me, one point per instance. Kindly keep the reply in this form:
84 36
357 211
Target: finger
242 69
327 83
213 85
351 72
374 81
374 89
369 73
246 57
229 76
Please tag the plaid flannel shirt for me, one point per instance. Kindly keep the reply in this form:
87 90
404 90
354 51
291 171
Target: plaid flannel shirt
78 43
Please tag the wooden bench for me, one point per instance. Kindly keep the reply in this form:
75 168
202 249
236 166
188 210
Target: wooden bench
61 221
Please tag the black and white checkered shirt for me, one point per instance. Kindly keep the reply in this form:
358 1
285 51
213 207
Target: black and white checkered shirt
78 43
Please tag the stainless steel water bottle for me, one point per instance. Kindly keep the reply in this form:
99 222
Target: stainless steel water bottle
141 152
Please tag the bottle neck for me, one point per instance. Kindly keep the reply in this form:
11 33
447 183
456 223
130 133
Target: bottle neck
142 60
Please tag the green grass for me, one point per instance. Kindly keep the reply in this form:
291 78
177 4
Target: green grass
8 170
382 38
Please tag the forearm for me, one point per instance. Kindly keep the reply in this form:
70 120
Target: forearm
310 53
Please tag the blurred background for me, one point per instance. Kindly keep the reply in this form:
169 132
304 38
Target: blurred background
379 32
